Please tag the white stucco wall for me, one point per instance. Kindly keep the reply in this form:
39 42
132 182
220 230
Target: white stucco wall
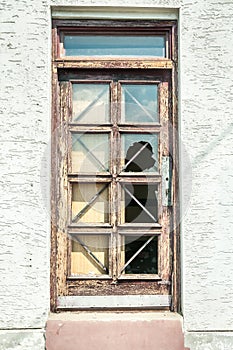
207 130
25 132
206 95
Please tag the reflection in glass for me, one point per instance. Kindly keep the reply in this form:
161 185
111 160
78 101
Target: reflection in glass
139 103
90 153
140 204
114 45
140 152
90 103
90 255
90 203
145 262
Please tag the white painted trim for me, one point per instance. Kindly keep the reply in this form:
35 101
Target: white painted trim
108 12
114 302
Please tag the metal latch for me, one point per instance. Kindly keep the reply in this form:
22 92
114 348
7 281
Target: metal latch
166 181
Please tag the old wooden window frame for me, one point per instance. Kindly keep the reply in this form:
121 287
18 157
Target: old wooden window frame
61 282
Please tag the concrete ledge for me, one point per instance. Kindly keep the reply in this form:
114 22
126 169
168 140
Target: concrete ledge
22 339
115 331
209 340
116 12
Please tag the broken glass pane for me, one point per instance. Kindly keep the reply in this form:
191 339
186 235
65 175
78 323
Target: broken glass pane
139 152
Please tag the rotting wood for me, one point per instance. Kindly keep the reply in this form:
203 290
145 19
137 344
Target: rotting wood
73 277
113 64
83 225
122 287
54 167
176 267
61 197
89 178
145 179
89 129
140 277
115 75
111 24
142 129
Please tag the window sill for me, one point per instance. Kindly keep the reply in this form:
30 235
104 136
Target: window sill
114 302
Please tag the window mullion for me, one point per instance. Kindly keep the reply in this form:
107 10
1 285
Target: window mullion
113 192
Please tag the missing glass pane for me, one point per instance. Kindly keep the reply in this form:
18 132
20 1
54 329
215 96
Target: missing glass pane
140 152
140 254
139 203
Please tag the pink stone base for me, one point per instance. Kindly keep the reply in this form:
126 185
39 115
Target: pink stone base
115 334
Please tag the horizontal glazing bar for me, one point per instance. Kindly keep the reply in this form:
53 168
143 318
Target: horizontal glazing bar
141 178
140 277
89 277
75 177
136 232
90 128
89 225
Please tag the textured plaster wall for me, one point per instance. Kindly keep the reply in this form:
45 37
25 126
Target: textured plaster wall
206 95
25 125
25 132
206 104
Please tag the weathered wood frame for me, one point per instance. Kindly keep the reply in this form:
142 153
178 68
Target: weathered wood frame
61 283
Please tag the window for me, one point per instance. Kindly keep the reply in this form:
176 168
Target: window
114 178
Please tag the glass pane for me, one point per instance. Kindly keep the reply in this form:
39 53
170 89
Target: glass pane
139 203
90 153
90 255
114 45
146 261
91 103
139 152
139 103
90 203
